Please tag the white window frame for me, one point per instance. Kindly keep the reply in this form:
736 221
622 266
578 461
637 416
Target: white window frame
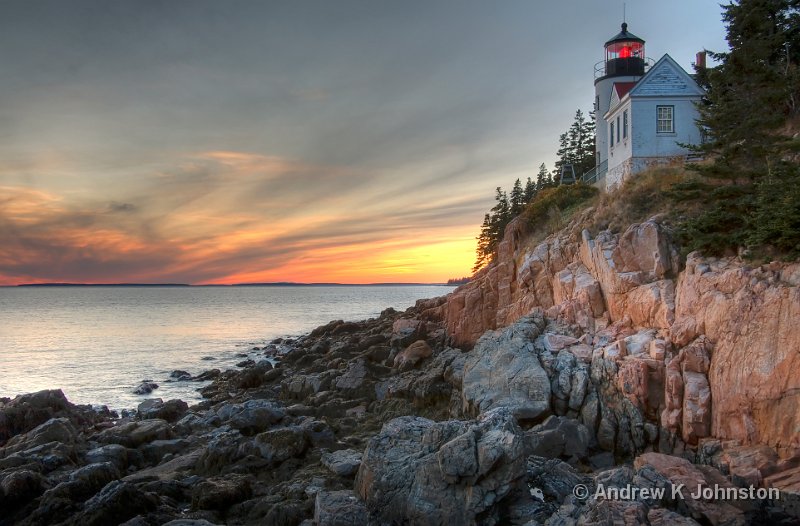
611 133
665 119
625 124
618 127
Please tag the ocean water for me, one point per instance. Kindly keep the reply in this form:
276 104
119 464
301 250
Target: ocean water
99 343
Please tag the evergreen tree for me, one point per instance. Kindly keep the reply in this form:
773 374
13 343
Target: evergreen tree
752 99
586 153
564 154
500 216
542 177
483 251
754 89
517 199
530 190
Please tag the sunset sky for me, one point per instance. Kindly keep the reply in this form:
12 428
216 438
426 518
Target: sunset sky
312 141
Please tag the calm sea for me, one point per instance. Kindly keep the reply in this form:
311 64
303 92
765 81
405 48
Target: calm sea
98 343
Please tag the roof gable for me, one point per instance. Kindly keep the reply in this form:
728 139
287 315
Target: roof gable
666 78
618 92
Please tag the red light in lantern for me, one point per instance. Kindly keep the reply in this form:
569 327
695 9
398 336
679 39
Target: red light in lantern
625 52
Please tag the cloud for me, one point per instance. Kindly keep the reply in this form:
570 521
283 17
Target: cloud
224 216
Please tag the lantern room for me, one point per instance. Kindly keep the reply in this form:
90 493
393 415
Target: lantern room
624 55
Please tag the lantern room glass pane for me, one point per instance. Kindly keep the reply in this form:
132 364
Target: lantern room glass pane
624 50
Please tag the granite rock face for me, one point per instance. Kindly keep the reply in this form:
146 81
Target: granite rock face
503 370
423 472
612 286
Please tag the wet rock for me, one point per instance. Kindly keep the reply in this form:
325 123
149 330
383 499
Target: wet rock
116 454
339 508
189 522
27 411
179 375
134 434
436 472
145 388
504 371
207 375
157 449
220 493
117 502
171 411
252 416
58 430
20 487
277 445
344 462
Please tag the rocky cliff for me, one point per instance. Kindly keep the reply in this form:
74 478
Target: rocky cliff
724 342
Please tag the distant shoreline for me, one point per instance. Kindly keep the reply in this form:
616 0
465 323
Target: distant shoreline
275 284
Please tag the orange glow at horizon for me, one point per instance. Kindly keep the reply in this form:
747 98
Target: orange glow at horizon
239 218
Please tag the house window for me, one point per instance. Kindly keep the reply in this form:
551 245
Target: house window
611 134
625 124
618 128
665 122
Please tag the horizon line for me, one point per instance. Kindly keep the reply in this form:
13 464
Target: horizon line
246 284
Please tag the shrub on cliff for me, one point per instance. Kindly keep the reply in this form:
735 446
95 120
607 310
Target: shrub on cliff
552 206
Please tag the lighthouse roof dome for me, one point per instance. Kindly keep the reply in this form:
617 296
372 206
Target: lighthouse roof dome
625 36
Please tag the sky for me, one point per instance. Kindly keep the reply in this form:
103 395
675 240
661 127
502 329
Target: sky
351 141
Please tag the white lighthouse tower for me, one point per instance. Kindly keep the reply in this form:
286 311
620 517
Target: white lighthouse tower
624 64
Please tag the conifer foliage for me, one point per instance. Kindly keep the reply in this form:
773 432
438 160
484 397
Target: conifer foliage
576 147
750 116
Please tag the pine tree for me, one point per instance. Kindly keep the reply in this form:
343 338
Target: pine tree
586 153
755 88
542 177
501 215
530 190
517 199
564 154
751 96
483 252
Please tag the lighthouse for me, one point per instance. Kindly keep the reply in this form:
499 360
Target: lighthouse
624 64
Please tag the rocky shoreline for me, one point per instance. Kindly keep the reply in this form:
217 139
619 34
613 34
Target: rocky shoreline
585 404
375 422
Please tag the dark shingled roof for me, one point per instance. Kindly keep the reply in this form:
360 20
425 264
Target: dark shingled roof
625 36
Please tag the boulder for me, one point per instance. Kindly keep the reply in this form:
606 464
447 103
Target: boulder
220 493
688 477
27 411
171 411
556 437
504 371
115 503
134 434
344 462
252 416
419 350
420 471
339 508
144 388
54 430
277 445
20 487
